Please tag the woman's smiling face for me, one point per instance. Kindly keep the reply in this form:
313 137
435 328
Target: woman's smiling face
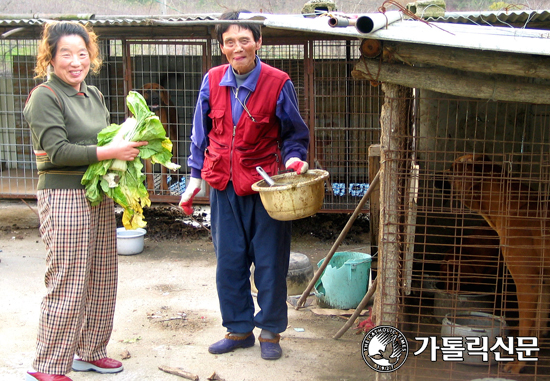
240 48
72 60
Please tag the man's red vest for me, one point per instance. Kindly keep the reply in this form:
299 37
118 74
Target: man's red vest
234 152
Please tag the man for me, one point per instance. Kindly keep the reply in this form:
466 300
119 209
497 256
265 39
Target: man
246 116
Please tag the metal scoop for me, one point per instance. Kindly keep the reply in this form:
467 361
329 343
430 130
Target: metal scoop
265 176
268 179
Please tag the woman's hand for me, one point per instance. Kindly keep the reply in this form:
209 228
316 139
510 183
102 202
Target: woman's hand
123 150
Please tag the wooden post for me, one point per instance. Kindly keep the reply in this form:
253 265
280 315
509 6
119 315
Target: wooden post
374 219
394 120
338 241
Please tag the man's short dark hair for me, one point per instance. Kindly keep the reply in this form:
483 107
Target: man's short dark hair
234 15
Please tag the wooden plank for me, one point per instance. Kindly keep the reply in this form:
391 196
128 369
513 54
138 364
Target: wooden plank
410 226
522 65
374 219
448 82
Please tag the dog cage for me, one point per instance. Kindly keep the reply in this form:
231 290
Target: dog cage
347 113
17 163
342 112
465 235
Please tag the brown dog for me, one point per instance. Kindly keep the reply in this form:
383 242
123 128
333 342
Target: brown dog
159 102
473 263
517 213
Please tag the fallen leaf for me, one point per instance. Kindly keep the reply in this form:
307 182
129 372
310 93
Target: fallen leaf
133 340
125 355
215 377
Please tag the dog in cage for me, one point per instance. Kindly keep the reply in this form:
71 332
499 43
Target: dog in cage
519 215
472 263
159 102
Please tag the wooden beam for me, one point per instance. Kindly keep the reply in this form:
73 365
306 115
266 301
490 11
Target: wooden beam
394 122
522 65
450 82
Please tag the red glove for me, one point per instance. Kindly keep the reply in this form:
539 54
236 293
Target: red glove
186 202
297 165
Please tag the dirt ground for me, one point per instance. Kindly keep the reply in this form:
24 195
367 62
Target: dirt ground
167 309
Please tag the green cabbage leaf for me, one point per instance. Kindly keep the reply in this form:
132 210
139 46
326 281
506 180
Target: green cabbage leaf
123 181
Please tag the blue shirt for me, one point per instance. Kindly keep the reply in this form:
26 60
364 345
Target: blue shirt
294 131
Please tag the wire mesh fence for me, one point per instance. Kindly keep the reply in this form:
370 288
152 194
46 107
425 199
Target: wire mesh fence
342 112
474 238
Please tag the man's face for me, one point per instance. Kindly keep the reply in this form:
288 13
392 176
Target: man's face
240 48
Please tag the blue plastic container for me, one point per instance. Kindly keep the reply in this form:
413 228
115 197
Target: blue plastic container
345 280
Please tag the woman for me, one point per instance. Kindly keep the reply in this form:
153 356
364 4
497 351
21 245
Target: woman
65 115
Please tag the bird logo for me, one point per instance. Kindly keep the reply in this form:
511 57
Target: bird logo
385 349
387 353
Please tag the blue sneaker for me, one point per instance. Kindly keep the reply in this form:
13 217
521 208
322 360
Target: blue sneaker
230 343
270 348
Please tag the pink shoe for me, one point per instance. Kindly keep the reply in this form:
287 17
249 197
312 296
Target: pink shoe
34 376
104 365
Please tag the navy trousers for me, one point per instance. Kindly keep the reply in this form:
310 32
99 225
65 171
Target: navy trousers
243 233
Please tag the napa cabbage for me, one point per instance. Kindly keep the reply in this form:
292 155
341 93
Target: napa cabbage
123 181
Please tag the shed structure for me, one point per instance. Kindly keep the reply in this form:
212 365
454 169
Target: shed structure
430 94
463 247
455 273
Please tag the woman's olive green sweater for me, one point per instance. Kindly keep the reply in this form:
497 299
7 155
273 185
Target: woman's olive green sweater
64 123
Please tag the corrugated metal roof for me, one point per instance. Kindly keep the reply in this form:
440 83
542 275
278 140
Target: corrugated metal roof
502 39
495 18
116 20
152 20
448 33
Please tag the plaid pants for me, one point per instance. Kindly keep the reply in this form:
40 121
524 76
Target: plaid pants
76 315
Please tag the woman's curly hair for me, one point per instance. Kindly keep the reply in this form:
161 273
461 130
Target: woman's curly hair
53 31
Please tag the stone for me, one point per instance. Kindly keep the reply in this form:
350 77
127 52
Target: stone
314 7
428 8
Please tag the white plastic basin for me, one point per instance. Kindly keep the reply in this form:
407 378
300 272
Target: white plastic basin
130 242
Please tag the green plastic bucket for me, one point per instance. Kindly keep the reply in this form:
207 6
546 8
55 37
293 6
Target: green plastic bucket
345 280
